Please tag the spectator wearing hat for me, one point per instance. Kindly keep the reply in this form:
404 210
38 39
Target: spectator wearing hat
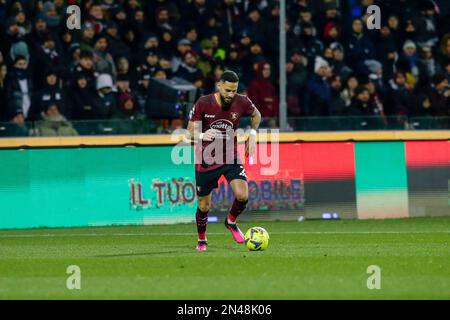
51 94
183 45
19 89
337 62
359 48
141 91
40 29
151 62
106 97
439 94
51 16
188 69
408 61
192 34
263 93
318 91
206 58
87 37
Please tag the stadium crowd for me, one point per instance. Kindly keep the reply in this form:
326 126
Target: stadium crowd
335 66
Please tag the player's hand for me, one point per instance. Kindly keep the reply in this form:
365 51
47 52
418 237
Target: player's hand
250 145
210 135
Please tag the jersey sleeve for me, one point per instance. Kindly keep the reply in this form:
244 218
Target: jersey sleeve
196 113
249 106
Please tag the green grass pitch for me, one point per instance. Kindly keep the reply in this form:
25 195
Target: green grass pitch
305 260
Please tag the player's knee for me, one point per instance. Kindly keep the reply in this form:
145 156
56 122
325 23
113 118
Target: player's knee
204 207
242 197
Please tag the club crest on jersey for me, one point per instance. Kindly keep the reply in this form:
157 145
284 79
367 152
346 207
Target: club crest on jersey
234 116
222 124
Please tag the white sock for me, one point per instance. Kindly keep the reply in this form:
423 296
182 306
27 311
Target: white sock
229 222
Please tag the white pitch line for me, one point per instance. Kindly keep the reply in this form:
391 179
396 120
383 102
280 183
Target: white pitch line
62 235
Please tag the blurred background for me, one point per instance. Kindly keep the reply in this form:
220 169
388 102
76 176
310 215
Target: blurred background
137 67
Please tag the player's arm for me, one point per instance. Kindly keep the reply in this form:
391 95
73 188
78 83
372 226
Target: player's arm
194 132
255 120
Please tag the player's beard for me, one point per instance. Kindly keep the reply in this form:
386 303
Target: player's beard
226 104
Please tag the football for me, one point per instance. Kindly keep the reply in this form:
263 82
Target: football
256 239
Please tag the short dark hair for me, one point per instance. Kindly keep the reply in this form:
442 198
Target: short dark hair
18 58
229 76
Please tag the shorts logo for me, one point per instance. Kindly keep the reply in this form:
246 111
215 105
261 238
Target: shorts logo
242 173
199 188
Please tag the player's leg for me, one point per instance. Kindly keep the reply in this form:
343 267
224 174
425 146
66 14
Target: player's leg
205 183
238 180
201 217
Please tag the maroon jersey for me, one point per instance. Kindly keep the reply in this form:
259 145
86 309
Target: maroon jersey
208 111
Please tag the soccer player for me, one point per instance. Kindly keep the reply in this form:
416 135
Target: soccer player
212 124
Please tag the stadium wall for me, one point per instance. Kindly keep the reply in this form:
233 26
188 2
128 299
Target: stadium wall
63 185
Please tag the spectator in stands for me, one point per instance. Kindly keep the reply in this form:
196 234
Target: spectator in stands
446 71
106 98
427 24
53 123
19 90
386 51
45 58
3 75
296 77
116 46
177 59
399 95
82 99
142 92
351 83
17 127
103 61
338 63
359 48
188 69
311 46
439 94
337 104
127 118
318 92
444 49
427 65
206 59
51 93
86 68
361 104
263 94
408 61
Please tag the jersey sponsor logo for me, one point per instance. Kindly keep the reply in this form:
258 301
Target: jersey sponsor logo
222 124
210 115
